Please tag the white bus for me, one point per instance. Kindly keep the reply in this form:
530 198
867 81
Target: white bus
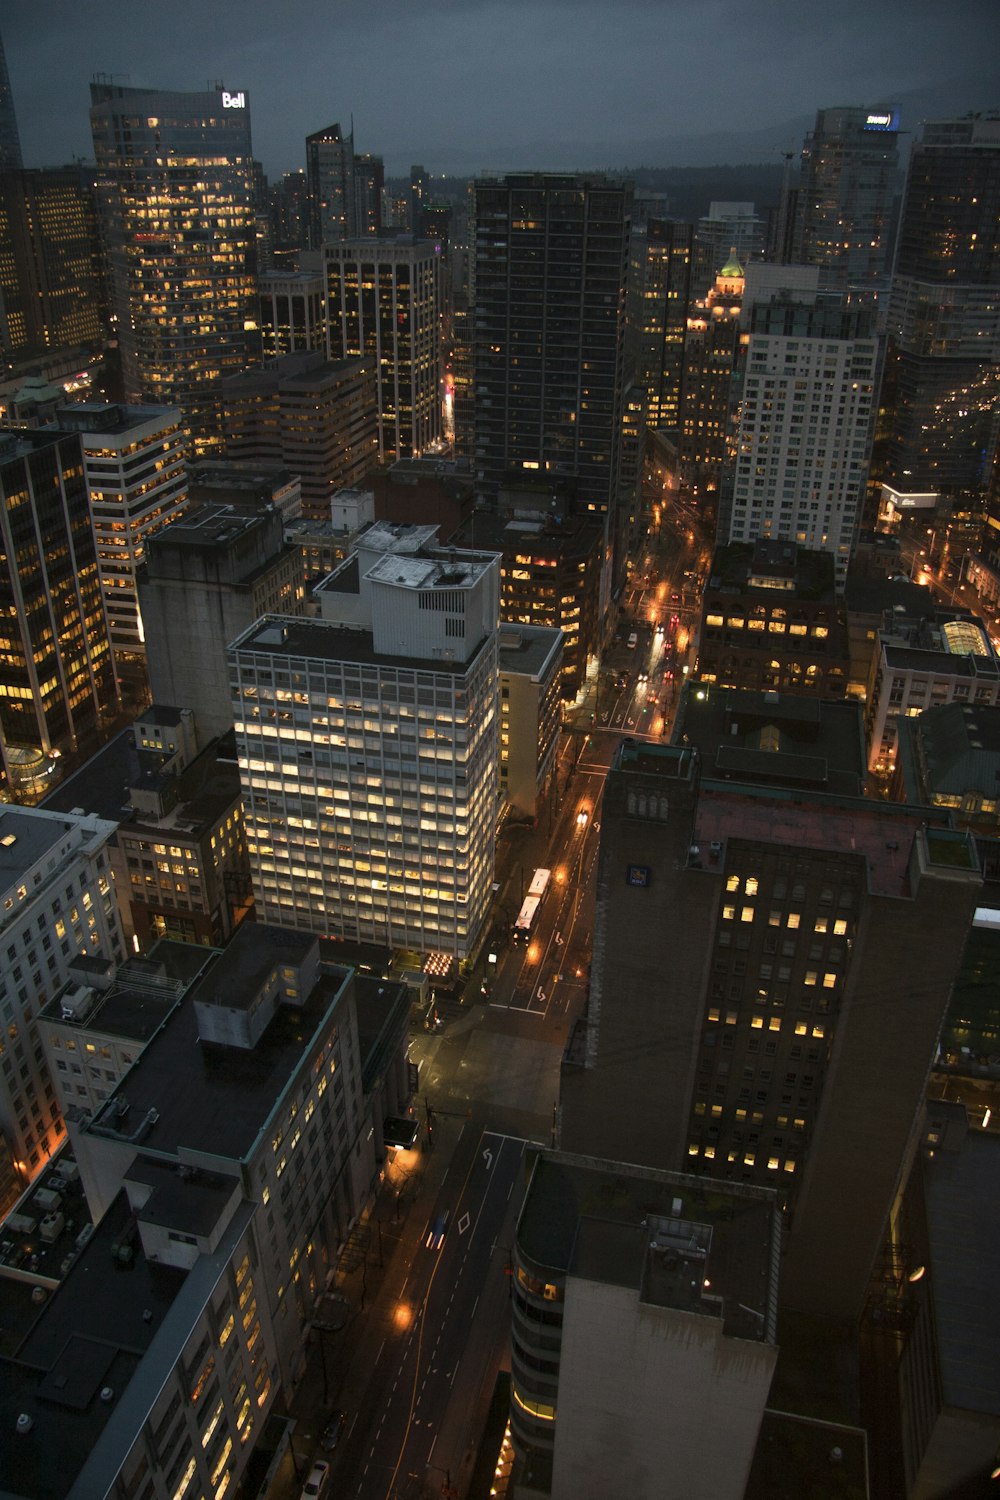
526 917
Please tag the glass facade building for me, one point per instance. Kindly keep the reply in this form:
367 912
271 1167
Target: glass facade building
175 189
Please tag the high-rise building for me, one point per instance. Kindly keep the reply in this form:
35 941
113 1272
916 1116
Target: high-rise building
383 300
643 1330
773 958
734 229
315 416
659 292
133 462
57 683
51 293
369 184
807 376
176 193
943 368
551 257
10 140
329 185
846 196
368 748
291 313
206 578
711 347
58 903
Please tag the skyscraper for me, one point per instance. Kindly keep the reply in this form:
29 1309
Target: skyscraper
657 306
807 379
711 346
773 956
845 197
57 684
383 300
370 780
549 294
10 141
51 292
943 368
329 185
175 186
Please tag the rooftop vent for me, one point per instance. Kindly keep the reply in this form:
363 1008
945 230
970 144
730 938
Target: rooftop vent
24 1424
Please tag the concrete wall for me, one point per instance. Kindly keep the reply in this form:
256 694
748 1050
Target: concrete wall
653 1401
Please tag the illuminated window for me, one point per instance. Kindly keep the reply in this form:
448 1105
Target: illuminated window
793 919
746 915
751 886
733 883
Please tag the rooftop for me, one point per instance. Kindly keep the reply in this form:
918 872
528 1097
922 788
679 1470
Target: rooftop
774 738
25 838
527 649
243 967
144 992
183 1092
679 1242
278 635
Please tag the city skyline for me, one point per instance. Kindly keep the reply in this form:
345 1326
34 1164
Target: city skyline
584 84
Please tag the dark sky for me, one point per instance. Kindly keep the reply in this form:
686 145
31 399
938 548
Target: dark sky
464 84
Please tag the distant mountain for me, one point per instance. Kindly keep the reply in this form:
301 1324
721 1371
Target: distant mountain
764 144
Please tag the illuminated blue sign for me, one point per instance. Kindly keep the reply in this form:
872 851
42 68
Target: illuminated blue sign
886 119
638 875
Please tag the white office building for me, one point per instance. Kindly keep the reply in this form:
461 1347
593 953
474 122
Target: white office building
56 903
808 380
368 744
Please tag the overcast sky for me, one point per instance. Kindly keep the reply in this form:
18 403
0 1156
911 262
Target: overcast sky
442 81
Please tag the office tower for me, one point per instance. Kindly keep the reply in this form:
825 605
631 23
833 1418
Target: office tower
206 578
644 1330
289 209
550 575
846 193
369 185
51 294
659 292
383 300
291 312
10 141
733 229
807 377
530 665
420 185
214 1214
549 295
315 416
175 188
58 903
707 417
57 683
943 368
773 958
249 487
329 185
368 748
133 463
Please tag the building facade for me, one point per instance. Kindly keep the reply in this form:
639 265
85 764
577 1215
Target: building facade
707 414
206 578
765 938
57 903
943 368
368 748
291 313
846 196
50 262
807 387
549 279
383 302
530 662
56 672
175 188
315 416
133 462
643 1330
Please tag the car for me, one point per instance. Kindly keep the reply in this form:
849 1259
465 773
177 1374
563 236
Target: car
643 677
438 1230
675 598
581 817
333 1431
317 1481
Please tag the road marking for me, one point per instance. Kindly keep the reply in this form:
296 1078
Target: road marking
379 1354
488 1159
432 1448
474 1306
466 1218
